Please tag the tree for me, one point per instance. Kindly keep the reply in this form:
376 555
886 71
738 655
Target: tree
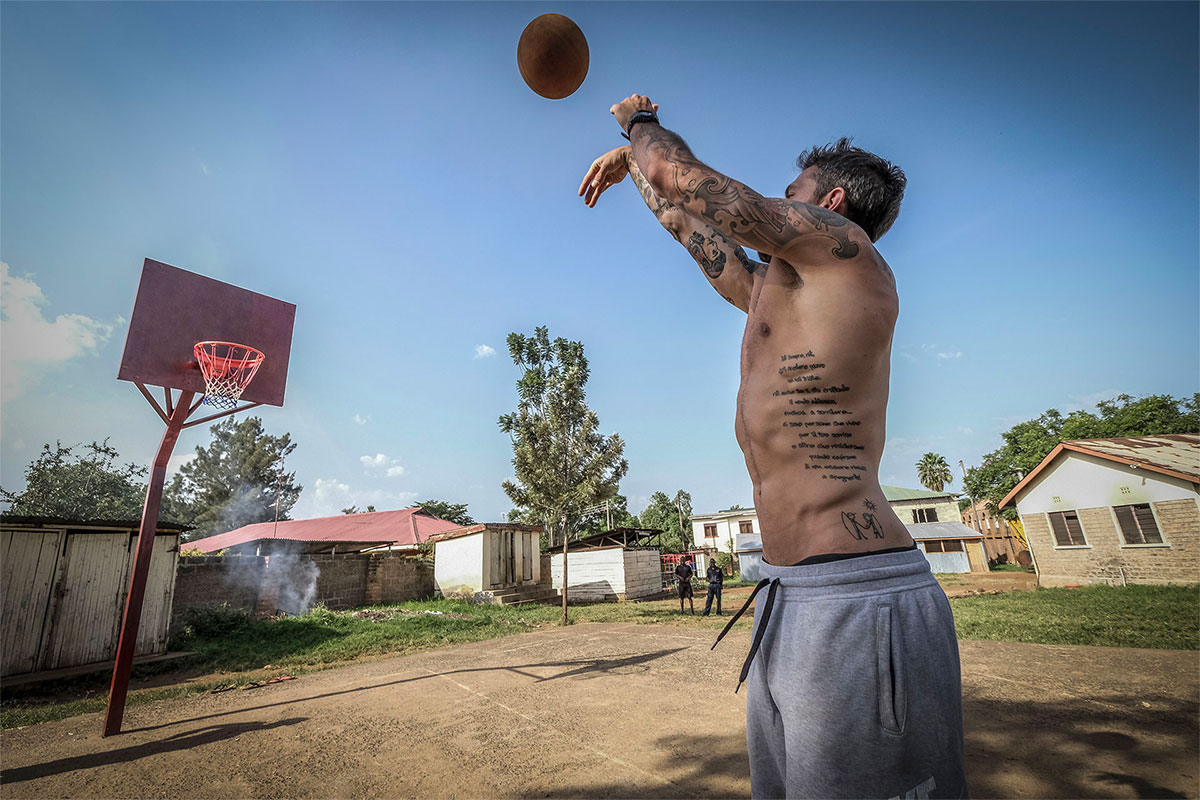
561 463
1027 443
451 512
80 486
355 510
235 481
933 472
663 513
609 515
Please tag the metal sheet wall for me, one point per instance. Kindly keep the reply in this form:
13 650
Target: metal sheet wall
63 600
30 571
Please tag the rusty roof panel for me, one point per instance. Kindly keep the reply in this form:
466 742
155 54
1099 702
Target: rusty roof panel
1178 453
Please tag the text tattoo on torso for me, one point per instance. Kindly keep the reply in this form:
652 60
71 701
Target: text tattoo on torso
824 432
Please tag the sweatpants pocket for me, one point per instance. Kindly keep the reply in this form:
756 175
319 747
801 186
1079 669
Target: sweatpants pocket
889 671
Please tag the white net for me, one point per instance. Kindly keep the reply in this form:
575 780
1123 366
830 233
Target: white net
228 369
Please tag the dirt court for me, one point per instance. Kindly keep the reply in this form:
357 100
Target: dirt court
604 710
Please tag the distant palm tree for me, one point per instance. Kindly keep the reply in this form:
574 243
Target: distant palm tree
933 472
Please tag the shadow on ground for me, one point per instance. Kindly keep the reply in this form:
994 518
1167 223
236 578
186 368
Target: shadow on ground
573 668
180 741
1086 747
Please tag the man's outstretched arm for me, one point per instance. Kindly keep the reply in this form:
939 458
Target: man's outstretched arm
780 227
725 264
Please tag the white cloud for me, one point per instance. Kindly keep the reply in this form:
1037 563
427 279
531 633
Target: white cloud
359 419
949 356
965 430
379 461
329 496
175 462
1087 402
34 344
483 351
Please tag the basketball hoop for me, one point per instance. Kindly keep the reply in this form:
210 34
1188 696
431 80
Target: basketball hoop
228 369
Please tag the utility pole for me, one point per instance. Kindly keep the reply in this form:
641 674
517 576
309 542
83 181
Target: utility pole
974 510
278 483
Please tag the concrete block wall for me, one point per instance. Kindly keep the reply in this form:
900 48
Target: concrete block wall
393 578
259 584
1105 559
213 580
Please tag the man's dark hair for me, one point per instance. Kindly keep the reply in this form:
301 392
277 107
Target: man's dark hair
874 186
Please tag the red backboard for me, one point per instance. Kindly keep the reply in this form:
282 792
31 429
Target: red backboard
175 309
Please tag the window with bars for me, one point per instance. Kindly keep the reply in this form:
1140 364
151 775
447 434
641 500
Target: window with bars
1137 524
924 515
1067 530
745 527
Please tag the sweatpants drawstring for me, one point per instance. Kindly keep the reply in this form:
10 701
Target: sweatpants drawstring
762 625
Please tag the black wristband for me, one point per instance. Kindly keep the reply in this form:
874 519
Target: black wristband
640 116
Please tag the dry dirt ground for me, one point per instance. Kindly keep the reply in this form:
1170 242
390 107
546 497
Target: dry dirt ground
603 710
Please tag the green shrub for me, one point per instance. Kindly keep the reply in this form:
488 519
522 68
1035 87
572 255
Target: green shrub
206 622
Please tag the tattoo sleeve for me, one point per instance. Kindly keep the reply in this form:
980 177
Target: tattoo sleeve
742 214
711 249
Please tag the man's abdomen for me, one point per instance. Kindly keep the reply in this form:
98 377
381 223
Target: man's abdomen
813 431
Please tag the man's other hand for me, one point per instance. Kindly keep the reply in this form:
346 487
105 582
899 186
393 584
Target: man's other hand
627 107
607 170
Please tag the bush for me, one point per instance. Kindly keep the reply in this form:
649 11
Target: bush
207 622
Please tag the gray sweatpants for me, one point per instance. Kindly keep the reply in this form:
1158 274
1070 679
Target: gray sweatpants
855 690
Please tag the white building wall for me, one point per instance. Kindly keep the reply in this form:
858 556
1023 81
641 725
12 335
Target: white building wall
459 565
727 530
591 574
1076 480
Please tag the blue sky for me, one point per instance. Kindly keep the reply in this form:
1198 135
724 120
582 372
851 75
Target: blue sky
383 166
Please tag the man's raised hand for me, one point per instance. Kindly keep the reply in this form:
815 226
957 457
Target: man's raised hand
607 170
629 106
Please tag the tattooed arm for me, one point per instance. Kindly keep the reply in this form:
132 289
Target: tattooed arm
787 228
725 264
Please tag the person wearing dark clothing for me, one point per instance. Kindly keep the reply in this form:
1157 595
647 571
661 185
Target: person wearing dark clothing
716 580
683 574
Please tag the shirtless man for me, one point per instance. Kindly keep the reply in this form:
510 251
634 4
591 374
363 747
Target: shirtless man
856 689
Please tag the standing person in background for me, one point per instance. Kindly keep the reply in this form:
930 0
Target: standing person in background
716 581
683 575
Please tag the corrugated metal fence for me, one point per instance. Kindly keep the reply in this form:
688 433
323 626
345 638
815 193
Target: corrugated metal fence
64 593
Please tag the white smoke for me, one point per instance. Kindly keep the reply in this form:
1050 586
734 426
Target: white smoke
294 578
287 582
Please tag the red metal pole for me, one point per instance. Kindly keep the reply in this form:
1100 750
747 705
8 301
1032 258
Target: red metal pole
141 567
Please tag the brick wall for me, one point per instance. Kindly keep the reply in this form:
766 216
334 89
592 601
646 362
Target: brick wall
262 585
1105 560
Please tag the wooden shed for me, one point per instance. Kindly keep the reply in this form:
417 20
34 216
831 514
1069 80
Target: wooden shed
489 562
64 588
622 564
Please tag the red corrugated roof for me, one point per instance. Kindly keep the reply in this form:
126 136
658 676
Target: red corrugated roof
407 526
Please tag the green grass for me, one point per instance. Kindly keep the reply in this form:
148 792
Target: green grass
1159 617
230 649
1011 568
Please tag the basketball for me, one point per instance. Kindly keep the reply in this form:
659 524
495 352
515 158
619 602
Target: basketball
552 55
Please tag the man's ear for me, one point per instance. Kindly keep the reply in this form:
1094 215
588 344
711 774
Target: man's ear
834 200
